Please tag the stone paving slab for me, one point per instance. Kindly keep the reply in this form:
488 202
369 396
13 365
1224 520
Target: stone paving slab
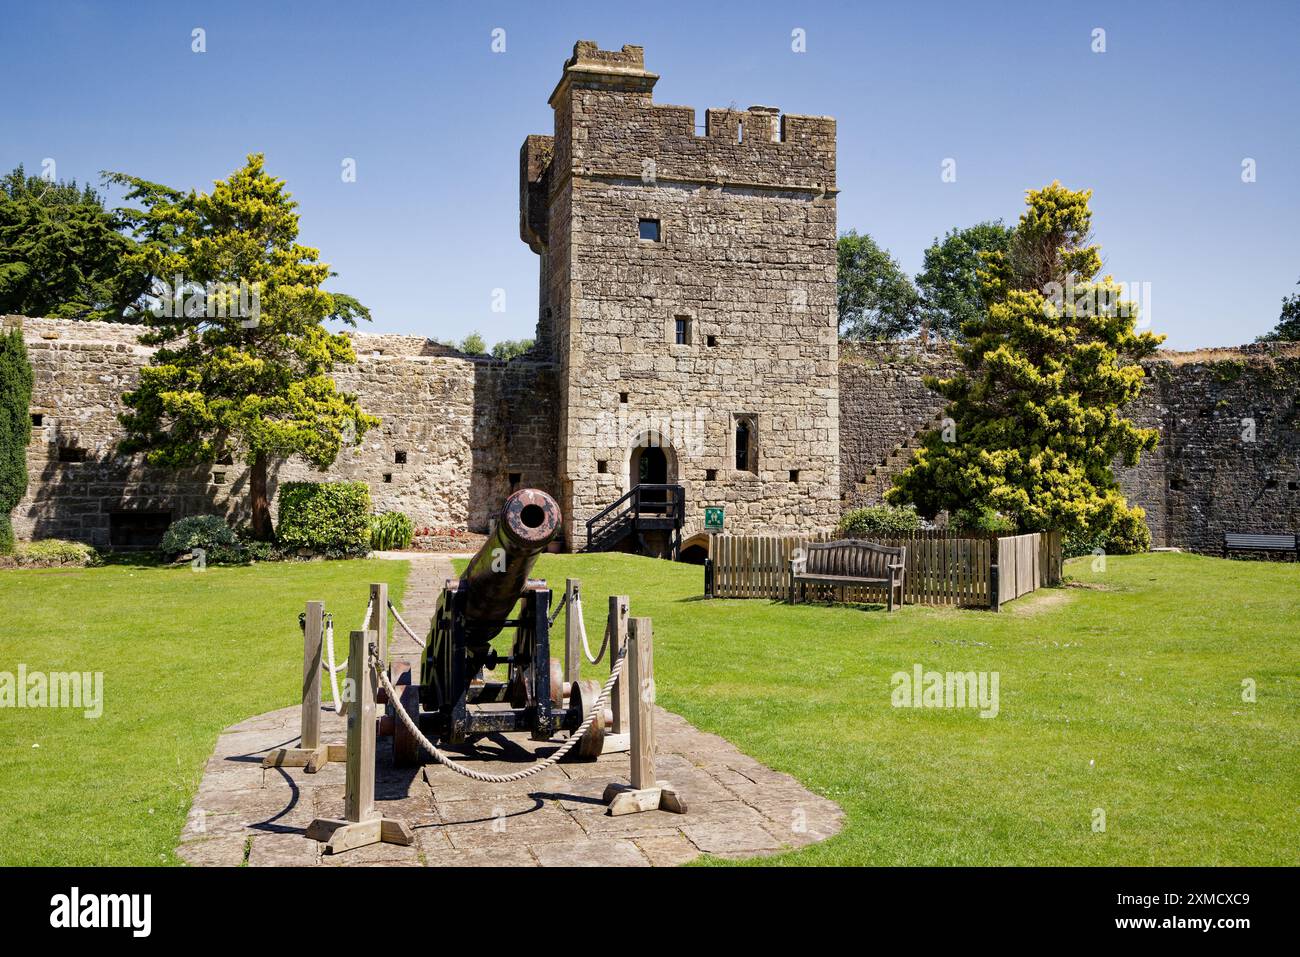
736 806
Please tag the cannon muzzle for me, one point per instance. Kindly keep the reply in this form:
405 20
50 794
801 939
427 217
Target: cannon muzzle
498 572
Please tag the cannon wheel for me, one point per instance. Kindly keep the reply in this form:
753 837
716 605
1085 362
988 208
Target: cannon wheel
584 696
406 750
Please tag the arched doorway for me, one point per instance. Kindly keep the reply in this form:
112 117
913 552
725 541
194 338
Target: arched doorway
651 466
652 461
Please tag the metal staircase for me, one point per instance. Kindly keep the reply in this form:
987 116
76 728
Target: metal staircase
646 508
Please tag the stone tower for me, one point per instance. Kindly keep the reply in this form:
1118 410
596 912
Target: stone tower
688 297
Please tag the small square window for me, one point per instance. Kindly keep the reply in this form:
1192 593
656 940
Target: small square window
1292 486
682 330
399 458
388 477
218 478
711 341
794 475
38 419
710 475
622 397
1270 484
71 453
648 229
602 466
515 478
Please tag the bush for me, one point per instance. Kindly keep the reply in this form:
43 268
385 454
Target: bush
1129 534
208 532
983 521
15 428
330 518
391 530
879 521
52 552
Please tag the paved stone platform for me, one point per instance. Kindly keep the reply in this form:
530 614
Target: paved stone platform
737 807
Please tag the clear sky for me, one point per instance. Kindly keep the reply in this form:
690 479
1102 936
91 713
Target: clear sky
1158 125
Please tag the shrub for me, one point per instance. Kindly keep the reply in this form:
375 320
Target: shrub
1129 534
259 551
51 552
983 521
15 428
391 530
331 518
879 521
1074 544
208 532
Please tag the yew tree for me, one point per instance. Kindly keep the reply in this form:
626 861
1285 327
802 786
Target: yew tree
1046 371
244 361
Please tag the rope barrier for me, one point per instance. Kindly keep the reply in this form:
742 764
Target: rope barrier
422 642
330 666
558 608
582 632
596 709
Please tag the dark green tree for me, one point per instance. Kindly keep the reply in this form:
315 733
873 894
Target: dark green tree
877 300
508 349
15 428
245 360
1288 324
63 254
949 283
473 345
1037 408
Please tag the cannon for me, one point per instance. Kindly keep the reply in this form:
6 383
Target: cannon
460 696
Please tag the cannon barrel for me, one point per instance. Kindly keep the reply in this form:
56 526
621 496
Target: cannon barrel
498 572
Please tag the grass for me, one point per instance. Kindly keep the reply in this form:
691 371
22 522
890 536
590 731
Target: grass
183 655
1123 693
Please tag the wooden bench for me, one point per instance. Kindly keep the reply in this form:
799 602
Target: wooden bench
1253 542
849 562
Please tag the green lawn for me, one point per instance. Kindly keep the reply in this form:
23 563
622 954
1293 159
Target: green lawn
184 654
1125 695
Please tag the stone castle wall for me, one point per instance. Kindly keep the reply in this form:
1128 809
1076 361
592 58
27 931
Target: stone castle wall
1229 421
1228 458
463 426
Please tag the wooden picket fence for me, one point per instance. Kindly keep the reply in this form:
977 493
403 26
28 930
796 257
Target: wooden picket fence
941 569
1026 563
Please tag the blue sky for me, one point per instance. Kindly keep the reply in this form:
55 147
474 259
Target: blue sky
1158 126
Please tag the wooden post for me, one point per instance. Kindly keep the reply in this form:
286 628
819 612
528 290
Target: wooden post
572 653
645 793
359 793
641 682
309 754
618 610
361 824
378 622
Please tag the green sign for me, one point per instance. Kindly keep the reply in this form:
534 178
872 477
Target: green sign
713 519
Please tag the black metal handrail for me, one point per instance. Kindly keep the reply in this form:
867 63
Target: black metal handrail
661 500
